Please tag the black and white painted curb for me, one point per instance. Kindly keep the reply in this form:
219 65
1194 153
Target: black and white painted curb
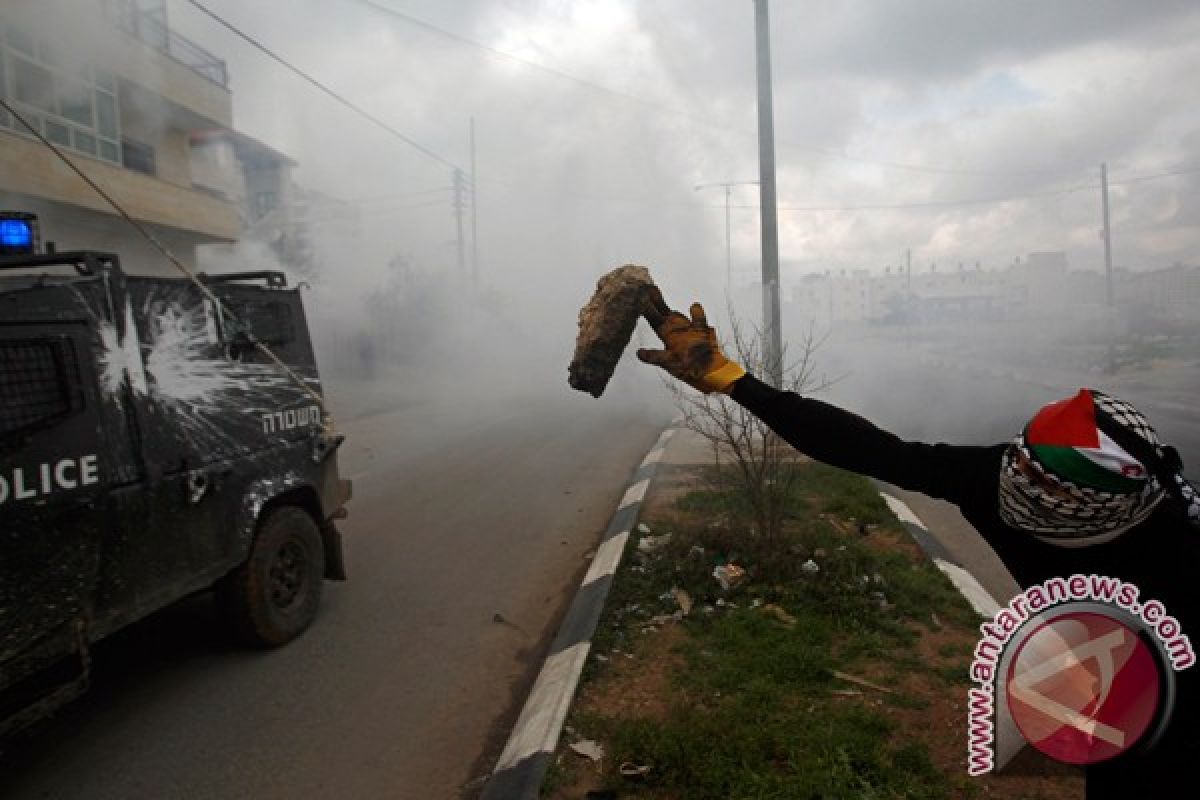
523 763
1009 741
984 604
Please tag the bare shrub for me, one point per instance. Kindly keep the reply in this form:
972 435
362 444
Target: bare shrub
751 461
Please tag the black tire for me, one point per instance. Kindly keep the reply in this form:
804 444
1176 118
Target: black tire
274 595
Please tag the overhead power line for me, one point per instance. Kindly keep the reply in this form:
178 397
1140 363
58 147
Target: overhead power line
378 198
660 108
328 91
977 173
943 203
1155 176
430 27
1083 187
650 202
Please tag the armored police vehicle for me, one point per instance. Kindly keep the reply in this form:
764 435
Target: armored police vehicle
151 447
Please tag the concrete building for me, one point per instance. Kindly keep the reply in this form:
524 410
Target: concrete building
324 228
124 95
1039 288
895 296
1043 276
257 179
1171 294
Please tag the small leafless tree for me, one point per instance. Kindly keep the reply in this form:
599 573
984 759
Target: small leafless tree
750 458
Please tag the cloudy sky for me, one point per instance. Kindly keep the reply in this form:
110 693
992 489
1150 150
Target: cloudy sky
966 131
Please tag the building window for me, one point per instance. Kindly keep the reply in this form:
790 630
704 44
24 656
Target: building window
21 41
138 157
264 202
32 84
73 106
57 133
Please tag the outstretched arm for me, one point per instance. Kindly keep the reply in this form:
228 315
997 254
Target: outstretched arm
844 439
692 354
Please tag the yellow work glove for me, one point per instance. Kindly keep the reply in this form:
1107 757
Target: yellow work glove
691 352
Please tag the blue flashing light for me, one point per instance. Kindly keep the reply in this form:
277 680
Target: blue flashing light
16 233
17 236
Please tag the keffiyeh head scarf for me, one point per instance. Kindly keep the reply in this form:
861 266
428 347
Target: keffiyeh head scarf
1088 468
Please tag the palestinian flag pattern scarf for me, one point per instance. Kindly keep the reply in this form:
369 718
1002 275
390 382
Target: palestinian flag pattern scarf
1068 480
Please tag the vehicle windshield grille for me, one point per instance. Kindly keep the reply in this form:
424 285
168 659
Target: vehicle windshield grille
33 385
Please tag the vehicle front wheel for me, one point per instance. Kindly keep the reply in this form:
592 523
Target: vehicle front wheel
274 595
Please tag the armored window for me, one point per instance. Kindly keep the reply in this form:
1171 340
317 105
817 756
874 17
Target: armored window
269 322
35 383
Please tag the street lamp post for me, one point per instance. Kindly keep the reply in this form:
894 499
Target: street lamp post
1106 235
728 186
773 343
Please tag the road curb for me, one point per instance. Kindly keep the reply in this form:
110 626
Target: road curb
979 599
522 765
968 586
527 755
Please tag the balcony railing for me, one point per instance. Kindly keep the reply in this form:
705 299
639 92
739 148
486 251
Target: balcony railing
147 25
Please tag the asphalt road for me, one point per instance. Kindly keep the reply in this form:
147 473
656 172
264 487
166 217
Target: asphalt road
468 532
472 516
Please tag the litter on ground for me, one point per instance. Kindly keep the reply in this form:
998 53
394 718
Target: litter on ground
728 575
589 748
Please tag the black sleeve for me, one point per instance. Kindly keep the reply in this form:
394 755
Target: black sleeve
843 439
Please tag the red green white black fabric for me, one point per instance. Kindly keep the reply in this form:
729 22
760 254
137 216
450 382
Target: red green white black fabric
1066 439
1086 488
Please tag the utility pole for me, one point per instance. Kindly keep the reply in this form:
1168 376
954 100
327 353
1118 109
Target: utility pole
458 220
474 211
829 275
773 343
1108 272
728 246
910 307
728 186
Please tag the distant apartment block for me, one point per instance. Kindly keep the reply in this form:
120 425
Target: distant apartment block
137 107
1172 293
896 295
1040 285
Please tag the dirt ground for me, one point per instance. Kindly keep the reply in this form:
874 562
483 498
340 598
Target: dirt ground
640 685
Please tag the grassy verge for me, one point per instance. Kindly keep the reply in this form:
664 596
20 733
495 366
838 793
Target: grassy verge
836 669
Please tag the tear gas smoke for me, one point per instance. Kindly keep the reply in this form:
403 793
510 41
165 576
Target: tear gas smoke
594 122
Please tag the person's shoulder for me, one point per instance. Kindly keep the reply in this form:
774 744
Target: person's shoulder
979 463
970 477
1167 527
1162 549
